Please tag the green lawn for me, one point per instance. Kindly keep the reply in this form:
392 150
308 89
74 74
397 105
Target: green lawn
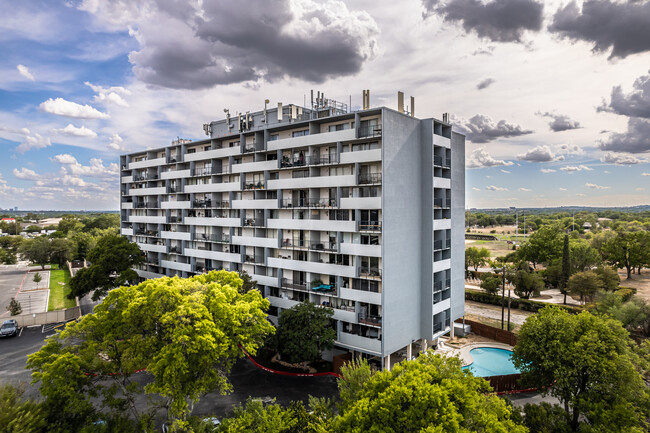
58 291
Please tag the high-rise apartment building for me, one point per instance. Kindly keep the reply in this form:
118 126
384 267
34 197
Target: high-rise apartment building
359 211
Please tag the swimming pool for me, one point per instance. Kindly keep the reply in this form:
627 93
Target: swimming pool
491 361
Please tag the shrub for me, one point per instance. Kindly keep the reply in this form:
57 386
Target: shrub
626 293
522 304
14 308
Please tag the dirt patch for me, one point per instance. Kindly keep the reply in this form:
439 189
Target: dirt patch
639 282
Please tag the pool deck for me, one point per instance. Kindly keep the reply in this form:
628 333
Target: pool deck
466 358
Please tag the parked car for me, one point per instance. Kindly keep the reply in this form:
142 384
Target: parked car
9 328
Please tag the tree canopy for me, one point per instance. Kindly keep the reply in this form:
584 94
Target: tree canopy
186 333
590 363
304 331
476 257
112 260
428 394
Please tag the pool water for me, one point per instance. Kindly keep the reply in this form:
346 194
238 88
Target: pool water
491 361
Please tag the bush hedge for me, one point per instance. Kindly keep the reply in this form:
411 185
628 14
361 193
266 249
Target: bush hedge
626 293
522 304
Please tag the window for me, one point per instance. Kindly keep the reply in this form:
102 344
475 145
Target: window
274 137
339 127
370 239
300 133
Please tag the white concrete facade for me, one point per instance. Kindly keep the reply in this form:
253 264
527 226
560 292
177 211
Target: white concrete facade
355 211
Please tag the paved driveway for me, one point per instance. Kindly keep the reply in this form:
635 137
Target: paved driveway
11 276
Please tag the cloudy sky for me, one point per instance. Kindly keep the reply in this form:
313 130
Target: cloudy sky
554 96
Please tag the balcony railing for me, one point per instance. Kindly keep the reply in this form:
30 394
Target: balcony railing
253 185
145 205
439 161
254 223
175 219
151 233
309 202
369 226
202 172
215 237
441 285
304 161
249 148
370 271
370 131
295 286
369 178
371 320
440 203
315 246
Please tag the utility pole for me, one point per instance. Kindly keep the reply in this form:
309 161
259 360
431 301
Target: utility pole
503 296
508 310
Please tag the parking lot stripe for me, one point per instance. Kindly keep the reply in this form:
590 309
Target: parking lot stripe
21 331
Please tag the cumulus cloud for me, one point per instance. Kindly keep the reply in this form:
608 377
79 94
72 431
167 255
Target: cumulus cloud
645 174
574 168
116 142
487 51
482 129
525 189
495 188
497 20
26 174
481 158
485 83
594 186
70 166
8 191
475 188
61 107
635 140
560 122
570 149
24 71
622 26
505 171
196 45
112 95
562 189
621 159
32 142
77 132
541 153
634 104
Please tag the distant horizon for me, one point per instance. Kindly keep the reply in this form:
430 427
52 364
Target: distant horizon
467 209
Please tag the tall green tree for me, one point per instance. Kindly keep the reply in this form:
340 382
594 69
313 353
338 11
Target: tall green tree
584 284
624 251
429 394
477 257
37 250
112 260
526 283
20 415
544 245
588 363
304 331
186 333
566 267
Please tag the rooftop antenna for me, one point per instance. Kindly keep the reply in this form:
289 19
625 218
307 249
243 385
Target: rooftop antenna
266 101
227 111
400 102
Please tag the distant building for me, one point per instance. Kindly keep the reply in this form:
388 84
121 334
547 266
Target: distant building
9 220
359 211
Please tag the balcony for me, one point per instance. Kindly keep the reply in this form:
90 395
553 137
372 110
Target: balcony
360 249
370 131
213 255
313 182
148 233
213 187
251 241
174 204
311 160
369 226
254 222
144 163
175 220
441 285
147 219
371 321
212 153
177 266
441 203
203 204
147 191
126 232
305 245
154 248
312 224
255 166
357 341
214 237
202 172
249 186
271 203
254 260
179 236
369 178
212 221
369 272
309 203
439 161
314 267
146 205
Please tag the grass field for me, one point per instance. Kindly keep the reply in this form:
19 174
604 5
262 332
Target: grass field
58 291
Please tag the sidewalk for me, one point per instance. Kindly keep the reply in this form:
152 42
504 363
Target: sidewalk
556 296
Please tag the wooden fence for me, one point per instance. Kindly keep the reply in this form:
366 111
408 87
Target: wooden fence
496 334
505 383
